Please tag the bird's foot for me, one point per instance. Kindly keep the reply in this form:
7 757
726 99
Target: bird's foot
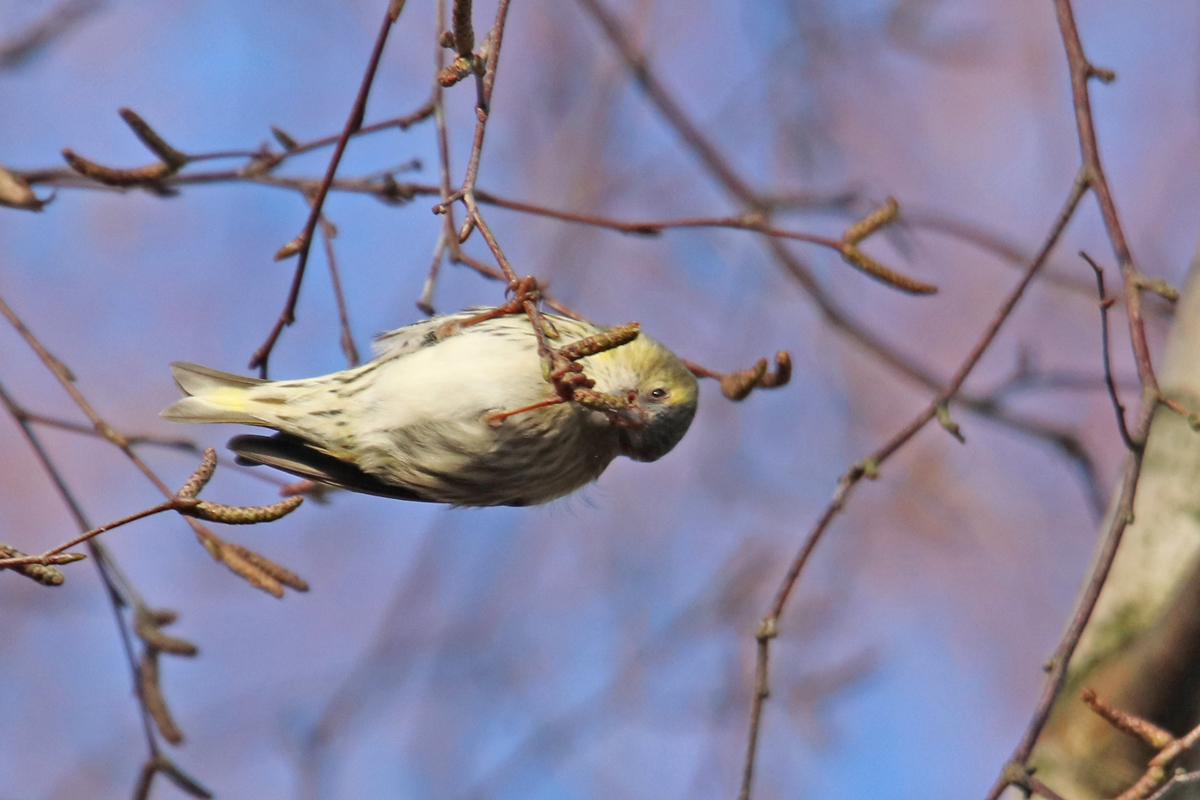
524 291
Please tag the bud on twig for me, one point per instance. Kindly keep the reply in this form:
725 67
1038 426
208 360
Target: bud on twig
852 255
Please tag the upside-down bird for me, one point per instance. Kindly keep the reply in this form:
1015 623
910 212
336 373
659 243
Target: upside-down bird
458 409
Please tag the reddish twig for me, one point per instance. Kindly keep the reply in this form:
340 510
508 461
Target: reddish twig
739 384
567 377
41 569
184 502
847 246
388 190
1169 748
482 112
262 355
990 241
1083 71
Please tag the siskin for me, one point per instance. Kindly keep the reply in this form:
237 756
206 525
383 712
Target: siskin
432 417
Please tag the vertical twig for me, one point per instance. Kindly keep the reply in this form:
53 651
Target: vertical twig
1083 71
1106 303
1092 170
482 112
346 337
448 238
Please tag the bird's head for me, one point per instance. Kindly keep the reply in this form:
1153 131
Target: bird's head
662 395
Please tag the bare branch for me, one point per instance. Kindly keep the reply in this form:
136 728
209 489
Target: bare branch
354 122
1105 304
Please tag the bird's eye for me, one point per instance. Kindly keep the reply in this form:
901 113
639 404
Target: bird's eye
659 394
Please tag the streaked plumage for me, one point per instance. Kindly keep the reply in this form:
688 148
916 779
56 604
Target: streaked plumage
410 424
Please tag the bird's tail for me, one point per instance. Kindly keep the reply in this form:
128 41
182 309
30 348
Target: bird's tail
211 396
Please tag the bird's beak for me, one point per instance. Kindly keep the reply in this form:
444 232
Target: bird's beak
631 416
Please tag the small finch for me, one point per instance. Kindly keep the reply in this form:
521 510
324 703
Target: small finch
457 413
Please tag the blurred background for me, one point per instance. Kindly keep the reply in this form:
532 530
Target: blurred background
601 646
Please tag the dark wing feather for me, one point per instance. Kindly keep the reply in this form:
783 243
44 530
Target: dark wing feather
293 454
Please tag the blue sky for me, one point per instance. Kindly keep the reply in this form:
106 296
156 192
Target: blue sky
600 646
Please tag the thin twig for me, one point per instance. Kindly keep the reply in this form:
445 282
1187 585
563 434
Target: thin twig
991 241
45 558
387 189
404 122
869 467
120 590
150 440
261 572
185 503
482 112
1169 748
1083 71
346 339
1093 176
1105 304
722 171
448 239
262 355
483 108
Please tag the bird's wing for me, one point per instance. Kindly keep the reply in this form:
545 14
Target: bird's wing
410 338
293 454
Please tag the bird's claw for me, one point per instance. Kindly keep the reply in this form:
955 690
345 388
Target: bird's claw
560 365
526 290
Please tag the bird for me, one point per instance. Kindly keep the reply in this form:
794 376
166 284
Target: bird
458 409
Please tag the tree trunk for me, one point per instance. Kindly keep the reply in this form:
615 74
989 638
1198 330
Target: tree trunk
1141 649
